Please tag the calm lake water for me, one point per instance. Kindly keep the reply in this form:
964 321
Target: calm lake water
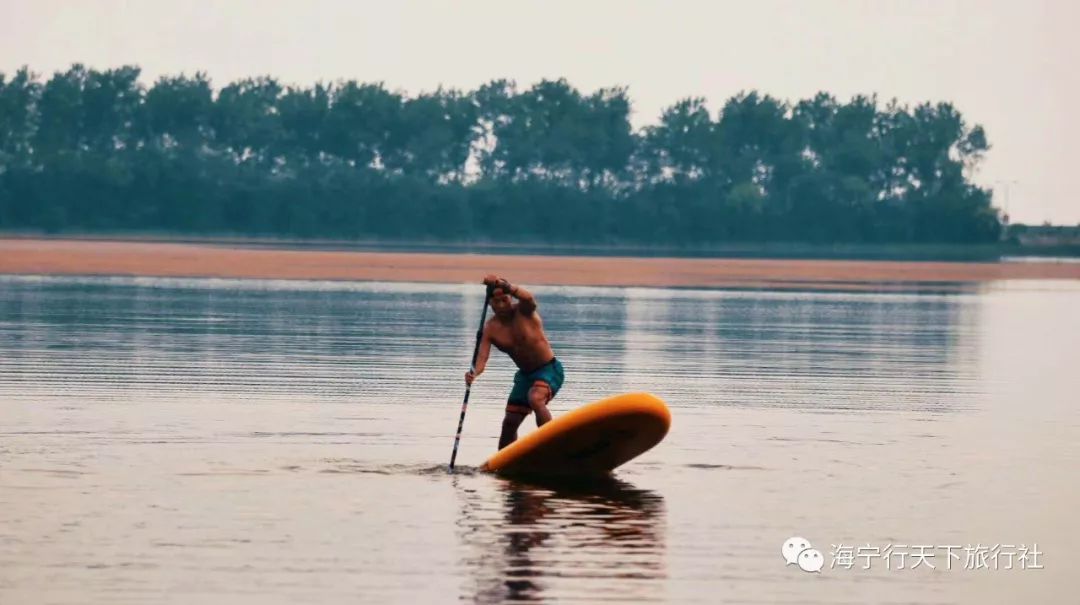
213 441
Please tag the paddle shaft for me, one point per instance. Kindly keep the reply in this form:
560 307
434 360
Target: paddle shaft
468 387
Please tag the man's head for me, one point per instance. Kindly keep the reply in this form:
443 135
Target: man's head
501 303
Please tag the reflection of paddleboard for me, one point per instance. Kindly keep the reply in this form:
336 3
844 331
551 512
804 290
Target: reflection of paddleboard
591 440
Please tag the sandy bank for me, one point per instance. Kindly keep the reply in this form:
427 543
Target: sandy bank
76 257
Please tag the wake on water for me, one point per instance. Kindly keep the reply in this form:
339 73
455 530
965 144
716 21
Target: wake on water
347 466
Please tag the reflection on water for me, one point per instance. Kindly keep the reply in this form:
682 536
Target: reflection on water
537 542
118 340
183 441
811 350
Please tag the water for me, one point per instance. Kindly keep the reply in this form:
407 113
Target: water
177 441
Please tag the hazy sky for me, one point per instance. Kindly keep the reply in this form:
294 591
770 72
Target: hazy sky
1009 65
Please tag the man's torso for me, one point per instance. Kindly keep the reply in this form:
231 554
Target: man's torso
522 337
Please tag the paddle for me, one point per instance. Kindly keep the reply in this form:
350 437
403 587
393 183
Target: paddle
472 368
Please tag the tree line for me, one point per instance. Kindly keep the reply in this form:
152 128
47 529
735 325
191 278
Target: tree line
99 151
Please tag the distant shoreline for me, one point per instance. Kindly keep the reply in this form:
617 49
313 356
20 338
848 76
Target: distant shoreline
751 250
35 256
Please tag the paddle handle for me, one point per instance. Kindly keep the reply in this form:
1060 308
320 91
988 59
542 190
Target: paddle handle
472 368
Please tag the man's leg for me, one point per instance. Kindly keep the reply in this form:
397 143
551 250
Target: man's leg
539 396
515 414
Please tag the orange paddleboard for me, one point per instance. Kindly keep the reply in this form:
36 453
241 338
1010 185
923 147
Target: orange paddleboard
591 440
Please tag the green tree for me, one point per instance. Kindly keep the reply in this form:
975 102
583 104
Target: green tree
95 150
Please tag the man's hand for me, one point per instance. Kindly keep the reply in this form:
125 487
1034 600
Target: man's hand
469 378
494 281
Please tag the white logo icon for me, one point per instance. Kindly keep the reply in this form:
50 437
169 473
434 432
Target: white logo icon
792 548
797 551
811 560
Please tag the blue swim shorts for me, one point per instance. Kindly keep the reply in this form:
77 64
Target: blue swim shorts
550 373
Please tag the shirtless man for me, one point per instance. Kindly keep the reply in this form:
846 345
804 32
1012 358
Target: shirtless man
517 331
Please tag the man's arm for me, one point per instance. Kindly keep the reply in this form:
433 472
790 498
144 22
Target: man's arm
527 304
482 355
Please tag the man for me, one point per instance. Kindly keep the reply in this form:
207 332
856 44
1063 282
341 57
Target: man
516 330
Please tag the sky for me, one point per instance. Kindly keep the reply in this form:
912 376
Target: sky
1009 65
